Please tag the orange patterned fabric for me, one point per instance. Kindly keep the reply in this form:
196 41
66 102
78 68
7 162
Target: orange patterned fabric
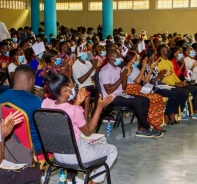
155 114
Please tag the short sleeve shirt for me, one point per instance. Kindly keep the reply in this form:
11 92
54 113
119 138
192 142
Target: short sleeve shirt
80 69
75 113
109 75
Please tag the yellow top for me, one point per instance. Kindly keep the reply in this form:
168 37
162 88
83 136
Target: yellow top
167 65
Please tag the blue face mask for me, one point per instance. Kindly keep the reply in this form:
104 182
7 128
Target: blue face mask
73 94
84 56
136 64
42 33
7 53
62 40
180 56
90 42
129 46
118 61
21 59
192 53
15 40
58 61
40 55
103 53
111 40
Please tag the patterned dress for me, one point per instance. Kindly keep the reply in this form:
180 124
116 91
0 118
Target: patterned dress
155 114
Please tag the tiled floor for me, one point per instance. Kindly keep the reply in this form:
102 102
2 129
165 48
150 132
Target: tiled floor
171 159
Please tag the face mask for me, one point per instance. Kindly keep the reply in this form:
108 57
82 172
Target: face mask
62 40
21 59
111 40
73 94
169 53
92 32
15 40
73 48
40 55
42 33
52 37
69 51
84 56
103 53
90 42
7 54
121 33
180 56
129 46
118 61
58 61
192 53
135 64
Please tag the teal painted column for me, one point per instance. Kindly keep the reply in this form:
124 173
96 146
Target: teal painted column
50 18
35 15
107 16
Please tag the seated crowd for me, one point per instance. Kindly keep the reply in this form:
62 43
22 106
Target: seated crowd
63 77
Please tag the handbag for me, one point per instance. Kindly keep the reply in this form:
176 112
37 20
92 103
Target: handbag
14 151
17 153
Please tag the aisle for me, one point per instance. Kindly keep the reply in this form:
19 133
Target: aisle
171 159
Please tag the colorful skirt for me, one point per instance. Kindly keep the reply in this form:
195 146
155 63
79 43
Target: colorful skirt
155 114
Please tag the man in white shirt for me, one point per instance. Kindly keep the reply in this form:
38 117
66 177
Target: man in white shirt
83 71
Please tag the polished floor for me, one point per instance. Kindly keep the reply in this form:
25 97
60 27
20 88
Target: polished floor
171 159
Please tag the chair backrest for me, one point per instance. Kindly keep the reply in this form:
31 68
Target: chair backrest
56 132
97 83
22 130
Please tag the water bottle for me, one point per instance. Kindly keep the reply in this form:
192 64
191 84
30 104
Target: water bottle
184 114
62 177
108 128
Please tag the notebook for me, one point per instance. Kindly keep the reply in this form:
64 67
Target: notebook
10 165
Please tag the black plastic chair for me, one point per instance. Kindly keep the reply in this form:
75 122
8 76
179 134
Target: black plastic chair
120 109
57 136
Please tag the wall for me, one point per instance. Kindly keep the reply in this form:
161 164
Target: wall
154 21
15 18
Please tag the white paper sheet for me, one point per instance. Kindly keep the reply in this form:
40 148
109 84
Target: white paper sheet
38 48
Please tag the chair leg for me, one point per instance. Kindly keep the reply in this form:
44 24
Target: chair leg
116 121
122 124
132 118
87 177
108 174
73 178
99 125
46 181
191 106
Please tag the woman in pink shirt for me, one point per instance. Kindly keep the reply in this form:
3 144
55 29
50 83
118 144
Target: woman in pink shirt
63 89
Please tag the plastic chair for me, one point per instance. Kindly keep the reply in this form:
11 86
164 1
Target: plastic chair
57 136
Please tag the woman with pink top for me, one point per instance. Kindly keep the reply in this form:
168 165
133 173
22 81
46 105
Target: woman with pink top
63 89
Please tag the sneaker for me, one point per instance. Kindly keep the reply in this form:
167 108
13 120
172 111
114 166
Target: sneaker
156 133
194 116
78 181
185 118
145 134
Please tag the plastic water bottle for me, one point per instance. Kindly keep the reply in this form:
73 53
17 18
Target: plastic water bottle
62 177
108 128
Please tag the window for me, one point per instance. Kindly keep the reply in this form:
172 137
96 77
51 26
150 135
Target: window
173 4
18 5
125 5
133 5
193 3
76 6
72 6
141 5
94 6
180 3
164 4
